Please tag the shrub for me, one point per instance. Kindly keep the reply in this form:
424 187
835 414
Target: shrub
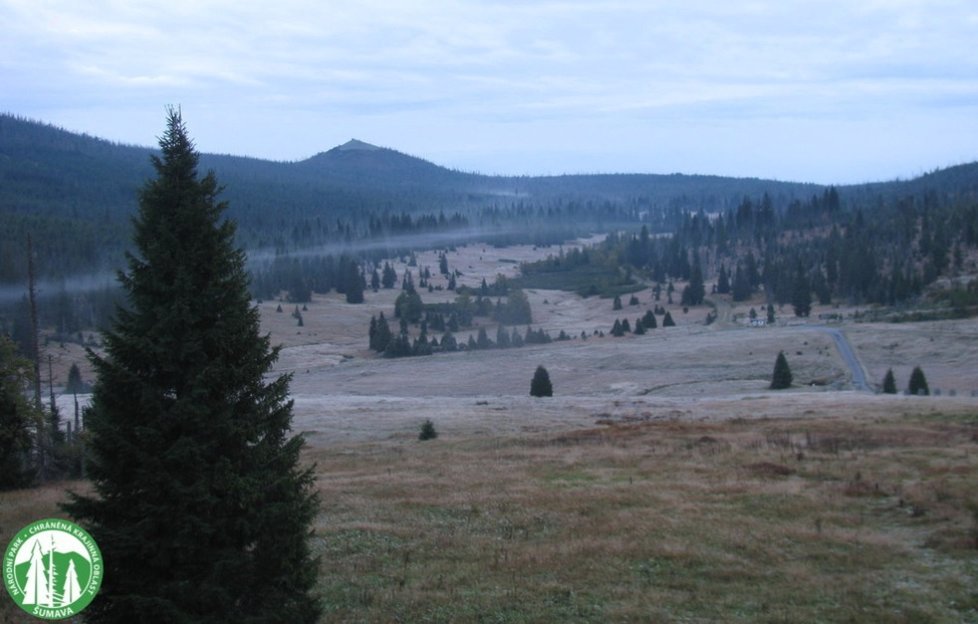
427 431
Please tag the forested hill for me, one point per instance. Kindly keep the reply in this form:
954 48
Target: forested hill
74 193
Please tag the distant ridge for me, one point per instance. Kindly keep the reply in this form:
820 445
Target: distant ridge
49 171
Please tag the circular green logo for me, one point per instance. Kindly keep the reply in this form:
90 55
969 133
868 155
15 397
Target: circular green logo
52 569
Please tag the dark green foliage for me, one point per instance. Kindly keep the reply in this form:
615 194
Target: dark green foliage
409 306
75 385
389 277
616 305
516 310
667 320
380 333
17 418
540 385
639 327
695 291
889 382
538 336
448 342
502 338
782 377
199 505
741 289
723 282
399 346
633 301
648 320
354 284
427 431
801 293
483 342
918 382
770 314
617 330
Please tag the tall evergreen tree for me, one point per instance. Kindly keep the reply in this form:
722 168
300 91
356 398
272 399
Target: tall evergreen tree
200 507
801 293
782 377
723 282
695 291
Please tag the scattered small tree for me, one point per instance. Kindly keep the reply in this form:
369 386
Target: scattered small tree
649 320
918 382
667 320
616 304
75 384
427 431
782 377
540 386
889 382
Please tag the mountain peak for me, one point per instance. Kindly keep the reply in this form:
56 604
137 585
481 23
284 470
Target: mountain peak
357 145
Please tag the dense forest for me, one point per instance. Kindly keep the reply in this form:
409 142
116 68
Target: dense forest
328 222
884 249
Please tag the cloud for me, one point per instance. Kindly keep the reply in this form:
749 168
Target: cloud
484 68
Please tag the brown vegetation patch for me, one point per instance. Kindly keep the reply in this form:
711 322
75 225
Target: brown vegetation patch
770 469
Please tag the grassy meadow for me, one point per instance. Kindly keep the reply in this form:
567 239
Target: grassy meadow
819 519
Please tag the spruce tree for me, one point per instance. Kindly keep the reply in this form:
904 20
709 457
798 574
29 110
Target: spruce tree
649 320
540 385
918 382
723 282
17 418
801 293
782 377
889 382
75 385
667 320
200 507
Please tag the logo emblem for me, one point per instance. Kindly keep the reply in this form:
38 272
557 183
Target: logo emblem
52 569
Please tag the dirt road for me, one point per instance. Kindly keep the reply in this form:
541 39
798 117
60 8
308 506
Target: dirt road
849 357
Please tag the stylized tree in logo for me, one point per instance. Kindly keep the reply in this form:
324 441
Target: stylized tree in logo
72 589
37 590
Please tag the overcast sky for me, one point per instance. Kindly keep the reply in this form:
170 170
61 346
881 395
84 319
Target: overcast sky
824 91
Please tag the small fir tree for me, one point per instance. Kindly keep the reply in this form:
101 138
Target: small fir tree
889 382
667 320
427 431
540 385
649 320
75 385
781 378
918 382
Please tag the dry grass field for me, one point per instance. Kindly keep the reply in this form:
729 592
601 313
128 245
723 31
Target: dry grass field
841 515
663 482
